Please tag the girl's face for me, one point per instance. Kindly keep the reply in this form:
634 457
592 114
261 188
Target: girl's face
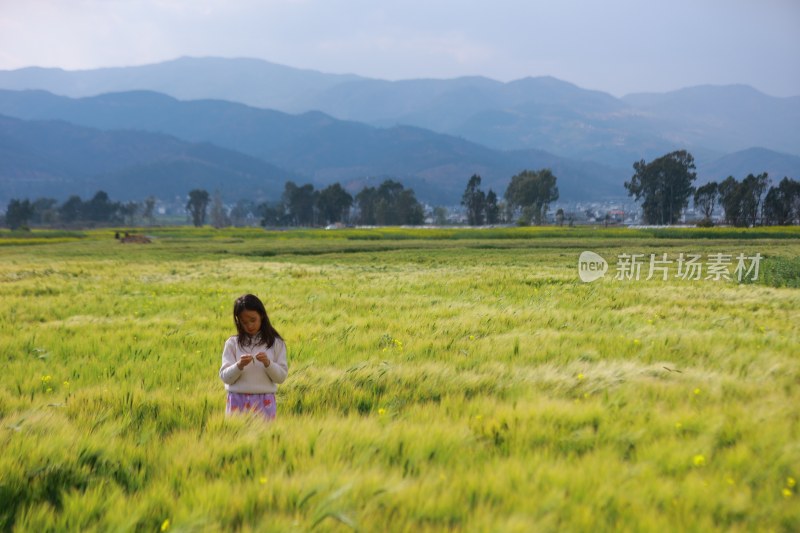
250 321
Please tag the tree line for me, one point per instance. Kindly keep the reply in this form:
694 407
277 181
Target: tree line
746 204
98 210
527 199
665 187
390 203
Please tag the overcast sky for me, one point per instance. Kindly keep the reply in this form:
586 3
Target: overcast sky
617 46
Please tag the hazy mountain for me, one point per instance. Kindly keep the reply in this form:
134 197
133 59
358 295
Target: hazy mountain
251 81
57 159
313 144
539 113
728 118
750 161
542 113
312 147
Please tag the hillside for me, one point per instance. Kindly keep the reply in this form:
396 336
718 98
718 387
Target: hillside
57 159
251 81
533 113
756 160
728 119
316 145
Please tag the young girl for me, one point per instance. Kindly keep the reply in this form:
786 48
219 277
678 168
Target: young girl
254 361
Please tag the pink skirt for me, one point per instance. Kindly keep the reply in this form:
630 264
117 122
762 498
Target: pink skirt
262 404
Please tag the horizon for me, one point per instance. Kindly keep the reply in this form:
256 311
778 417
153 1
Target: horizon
466 76
620 47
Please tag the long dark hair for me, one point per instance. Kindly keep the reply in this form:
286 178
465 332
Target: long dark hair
267 334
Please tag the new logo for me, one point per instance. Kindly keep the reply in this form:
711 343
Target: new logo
591 267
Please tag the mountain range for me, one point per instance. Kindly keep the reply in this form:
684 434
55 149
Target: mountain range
58 159
430 134
313 146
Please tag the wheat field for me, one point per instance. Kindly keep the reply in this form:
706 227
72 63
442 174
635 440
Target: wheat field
439 380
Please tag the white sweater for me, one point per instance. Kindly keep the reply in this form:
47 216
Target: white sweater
255 378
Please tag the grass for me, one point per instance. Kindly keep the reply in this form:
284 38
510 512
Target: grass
439 380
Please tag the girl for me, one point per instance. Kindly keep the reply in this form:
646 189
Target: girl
254 361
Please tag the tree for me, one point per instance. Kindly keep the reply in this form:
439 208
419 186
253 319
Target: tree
196 206
754 189
492 209
128 212
560 217
149 209
333 203
300 203
45 211
387 198
705 198
408 210
100 208
366 201
18 213
219 215
272 214
389 204
474 199
397 205
665 184
532 192
72 209
782 204
729 198
440 215
742 201
508 211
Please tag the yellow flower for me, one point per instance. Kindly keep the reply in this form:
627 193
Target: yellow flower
46 379
165 525
787 493
699 460
636 341
263 480
66 383
580 377
730 481
697 392
472 337
678 425
791 482
381 411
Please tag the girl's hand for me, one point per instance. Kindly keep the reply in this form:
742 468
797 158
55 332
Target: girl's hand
244 361
261 356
